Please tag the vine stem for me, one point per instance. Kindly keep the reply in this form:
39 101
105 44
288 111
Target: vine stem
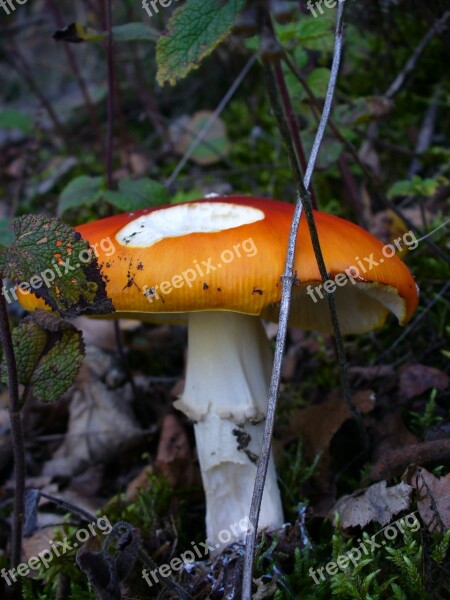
16 432
111 81
288 279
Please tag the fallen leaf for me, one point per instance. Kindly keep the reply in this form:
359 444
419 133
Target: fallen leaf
416 379
318 424
377 504
101 421
214 144
433 499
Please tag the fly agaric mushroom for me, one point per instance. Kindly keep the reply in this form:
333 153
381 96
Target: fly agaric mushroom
218 262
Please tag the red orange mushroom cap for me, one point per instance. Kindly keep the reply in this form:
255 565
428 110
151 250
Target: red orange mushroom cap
228 254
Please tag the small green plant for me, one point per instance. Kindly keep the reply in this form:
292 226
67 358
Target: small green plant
419 422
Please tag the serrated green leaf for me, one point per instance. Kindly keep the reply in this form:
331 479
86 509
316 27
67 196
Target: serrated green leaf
81 191
57 265
3 258
309 33
138 193
15 119
6 234
194 30
134 32
58 368
29 341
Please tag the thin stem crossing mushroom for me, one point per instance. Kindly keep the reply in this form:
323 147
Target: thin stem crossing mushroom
218 262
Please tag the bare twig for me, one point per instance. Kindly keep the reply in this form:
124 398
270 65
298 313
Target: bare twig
401 78
393 462
16 433
414 323
111 77
292 123
166 582
109 163
25 70
71 57
236 83
426 132
288 280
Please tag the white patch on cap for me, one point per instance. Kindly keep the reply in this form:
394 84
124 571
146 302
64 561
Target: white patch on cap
182 219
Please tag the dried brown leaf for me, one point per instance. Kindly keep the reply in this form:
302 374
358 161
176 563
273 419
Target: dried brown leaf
378 504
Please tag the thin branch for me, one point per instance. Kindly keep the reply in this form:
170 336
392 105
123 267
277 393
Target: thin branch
71 57
292 123
24 69
16 432
166 582
401 78
110 66
187 155
109 164
414 323
288 280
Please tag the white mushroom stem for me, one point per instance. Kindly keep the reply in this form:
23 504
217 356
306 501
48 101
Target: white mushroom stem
226 392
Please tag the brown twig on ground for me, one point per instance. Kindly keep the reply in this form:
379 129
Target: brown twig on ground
17 438
395 461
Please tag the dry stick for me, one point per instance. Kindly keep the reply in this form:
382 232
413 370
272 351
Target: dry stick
410 64
426 132
236 83
292 123
16 431
168 583
145 92
414 323
399 81
110 108
54 7
363 167
288 280
109 163
24 69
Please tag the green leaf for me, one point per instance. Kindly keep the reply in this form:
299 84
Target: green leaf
15 119
49 353
53 261
400 188
58 368
81 191
138 193
318 81
134 32
6 234
309 33
194 30
29 341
